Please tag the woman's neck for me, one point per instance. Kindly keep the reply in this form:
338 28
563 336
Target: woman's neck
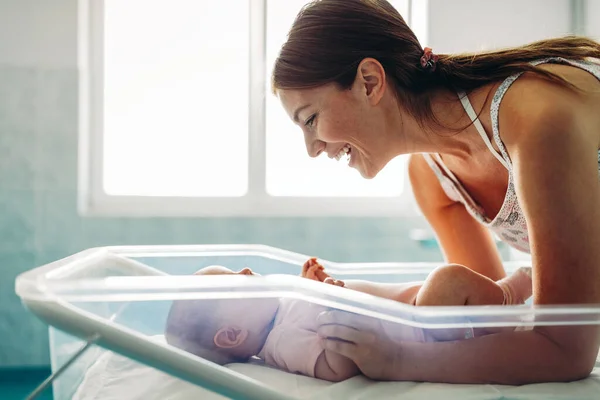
453 133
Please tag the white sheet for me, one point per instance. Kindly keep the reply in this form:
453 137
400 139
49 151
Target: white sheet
114 377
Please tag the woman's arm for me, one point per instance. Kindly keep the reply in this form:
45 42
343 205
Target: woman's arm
556 174
463 240
512 358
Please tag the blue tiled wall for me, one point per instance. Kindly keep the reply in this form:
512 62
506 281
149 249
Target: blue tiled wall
39 221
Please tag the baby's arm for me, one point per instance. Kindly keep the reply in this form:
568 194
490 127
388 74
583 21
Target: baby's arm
334 367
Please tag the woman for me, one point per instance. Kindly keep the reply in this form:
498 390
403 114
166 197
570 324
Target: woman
504 141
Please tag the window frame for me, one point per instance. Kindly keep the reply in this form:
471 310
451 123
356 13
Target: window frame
257 202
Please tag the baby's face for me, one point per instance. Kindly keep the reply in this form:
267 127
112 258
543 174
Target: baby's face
255 315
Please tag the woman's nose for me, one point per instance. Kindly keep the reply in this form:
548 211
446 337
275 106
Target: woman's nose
245 271
314 147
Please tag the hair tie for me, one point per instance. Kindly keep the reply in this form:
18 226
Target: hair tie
428 59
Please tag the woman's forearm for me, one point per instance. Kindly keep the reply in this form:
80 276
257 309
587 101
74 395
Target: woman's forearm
511 358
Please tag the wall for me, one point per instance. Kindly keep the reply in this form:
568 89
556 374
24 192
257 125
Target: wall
592 19
469 25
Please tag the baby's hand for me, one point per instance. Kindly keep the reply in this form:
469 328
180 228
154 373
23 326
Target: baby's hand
313 270
334 282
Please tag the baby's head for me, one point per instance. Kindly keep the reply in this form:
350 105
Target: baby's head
221 330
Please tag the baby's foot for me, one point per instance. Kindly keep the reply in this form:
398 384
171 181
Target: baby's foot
526 270
334 282
311 268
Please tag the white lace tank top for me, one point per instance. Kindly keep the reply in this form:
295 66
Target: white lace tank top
509 224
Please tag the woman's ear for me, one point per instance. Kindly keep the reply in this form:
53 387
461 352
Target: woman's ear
371 77
229 337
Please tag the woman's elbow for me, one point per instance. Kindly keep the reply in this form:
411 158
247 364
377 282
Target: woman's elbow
575 352
576 367
559 369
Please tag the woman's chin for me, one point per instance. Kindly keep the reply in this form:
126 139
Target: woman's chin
366 173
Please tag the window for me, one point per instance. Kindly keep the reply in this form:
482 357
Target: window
177 117
168 104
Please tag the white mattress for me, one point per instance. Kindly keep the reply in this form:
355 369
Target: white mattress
114 377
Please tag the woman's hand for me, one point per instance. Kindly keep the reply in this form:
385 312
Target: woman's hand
361 339
544 354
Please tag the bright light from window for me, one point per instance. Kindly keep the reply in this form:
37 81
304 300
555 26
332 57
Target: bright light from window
176 97
290 171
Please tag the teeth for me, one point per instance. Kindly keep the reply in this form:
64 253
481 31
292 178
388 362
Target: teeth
344 150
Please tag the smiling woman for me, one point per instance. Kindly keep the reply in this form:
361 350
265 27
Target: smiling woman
288 171
525 165
342 120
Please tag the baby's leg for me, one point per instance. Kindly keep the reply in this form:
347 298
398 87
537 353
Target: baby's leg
313 270
456 285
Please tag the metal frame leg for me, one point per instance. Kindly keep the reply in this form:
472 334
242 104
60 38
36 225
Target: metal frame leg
44 385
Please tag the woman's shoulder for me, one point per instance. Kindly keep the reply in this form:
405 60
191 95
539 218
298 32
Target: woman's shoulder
535 106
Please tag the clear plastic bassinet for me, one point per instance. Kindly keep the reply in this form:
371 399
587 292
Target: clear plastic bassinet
117 299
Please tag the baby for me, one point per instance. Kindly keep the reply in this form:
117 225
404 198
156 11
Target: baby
282 332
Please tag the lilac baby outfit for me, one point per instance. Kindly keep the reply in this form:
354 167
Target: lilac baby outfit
293 344
509 224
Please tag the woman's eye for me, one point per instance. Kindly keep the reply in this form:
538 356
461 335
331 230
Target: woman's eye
309 122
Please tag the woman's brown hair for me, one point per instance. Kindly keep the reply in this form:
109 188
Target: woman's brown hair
329 39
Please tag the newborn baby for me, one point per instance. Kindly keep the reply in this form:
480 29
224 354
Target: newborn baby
282 331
